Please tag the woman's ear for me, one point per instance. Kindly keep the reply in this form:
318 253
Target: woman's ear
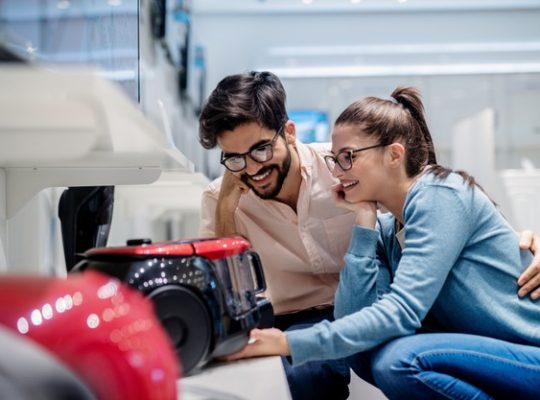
290 132
396 154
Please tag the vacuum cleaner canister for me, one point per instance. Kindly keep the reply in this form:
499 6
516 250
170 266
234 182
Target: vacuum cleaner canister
103 330
204 290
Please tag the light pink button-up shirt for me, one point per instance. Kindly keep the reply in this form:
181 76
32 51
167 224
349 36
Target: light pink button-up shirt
302 253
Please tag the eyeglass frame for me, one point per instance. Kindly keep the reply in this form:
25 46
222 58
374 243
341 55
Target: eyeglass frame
350 152
270 143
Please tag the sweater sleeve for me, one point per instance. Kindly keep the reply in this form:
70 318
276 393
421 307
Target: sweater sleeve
365 267
437 227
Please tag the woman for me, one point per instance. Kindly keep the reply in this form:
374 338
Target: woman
442 260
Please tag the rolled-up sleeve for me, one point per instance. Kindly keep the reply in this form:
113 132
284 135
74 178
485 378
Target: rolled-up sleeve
208 213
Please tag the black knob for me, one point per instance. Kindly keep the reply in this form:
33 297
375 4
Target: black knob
138 242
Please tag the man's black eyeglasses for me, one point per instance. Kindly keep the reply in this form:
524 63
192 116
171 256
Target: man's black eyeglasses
345 158
259 153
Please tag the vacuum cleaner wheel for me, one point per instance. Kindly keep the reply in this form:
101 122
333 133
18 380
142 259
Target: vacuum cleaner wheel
186 319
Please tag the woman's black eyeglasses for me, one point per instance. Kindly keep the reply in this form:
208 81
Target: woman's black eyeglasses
345 158
259 153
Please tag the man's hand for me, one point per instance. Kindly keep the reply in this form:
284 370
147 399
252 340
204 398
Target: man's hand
529 281
232 188
263 342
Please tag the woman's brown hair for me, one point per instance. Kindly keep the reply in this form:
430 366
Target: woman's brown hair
400 119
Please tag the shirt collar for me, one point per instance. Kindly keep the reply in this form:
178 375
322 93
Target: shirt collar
400 236
305 156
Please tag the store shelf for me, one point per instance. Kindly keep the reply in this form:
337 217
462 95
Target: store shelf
172 192
75 128
167 209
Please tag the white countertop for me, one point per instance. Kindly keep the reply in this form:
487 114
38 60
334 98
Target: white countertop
253 379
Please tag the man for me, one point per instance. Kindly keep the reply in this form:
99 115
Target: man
276 193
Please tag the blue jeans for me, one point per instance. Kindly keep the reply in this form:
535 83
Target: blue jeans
451 366
315 380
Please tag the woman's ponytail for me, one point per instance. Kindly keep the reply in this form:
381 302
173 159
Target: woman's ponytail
410 99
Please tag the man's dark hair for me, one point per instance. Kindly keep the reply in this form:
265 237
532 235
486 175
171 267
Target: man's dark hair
239 99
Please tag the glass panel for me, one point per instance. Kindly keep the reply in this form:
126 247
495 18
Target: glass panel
102 33
237 281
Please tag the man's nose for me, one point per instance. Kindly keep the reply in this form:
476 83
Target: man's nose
252 166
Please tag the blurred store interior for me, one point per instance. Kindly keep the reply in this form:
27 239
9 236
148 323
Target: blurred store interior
152 63
477 63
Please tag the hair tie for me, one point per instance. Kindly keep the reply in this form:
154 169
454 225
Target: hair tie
391 99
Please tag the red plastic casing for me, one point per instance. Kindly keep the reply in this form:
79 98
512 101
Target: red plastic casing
103 330
212 248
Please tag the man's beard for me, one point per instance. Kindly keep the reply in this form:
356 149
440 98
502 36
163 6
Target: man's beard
282 175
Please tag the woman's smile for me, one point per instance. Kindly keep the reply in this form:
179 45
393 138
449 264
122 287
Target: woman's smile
347 185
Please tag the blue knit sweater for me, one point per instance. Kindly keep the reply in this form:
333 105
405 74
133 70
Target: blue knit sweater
460 264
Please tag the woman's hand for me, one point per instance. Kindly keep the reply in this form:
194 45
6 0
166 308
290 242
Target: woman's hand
263 342
529 281
366 211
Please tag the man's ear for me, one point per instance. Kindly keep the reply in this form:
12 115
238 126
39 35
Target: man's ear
396 154
290 132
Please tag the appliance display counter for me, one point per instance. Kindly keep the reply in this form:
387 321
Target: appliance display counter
251 379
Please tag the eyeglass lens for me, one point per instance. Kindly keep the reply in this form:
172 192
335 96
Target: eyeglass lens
260 154
344 159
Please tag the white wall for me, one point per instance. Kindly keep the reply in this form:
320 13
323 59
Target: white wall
3 224
33 237
464 56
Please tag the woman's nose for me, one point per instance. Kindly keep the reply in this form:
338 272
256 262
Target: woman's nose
337 171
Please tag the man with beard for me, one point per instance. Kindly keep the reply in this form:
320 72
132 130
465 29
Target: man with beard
276 192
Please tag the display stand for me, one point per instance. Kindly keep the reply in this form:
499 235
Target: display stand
252 379
74 128
71 128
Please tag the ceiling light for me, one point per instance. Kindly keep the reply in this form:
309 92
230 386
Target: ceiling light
30 49
63 4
